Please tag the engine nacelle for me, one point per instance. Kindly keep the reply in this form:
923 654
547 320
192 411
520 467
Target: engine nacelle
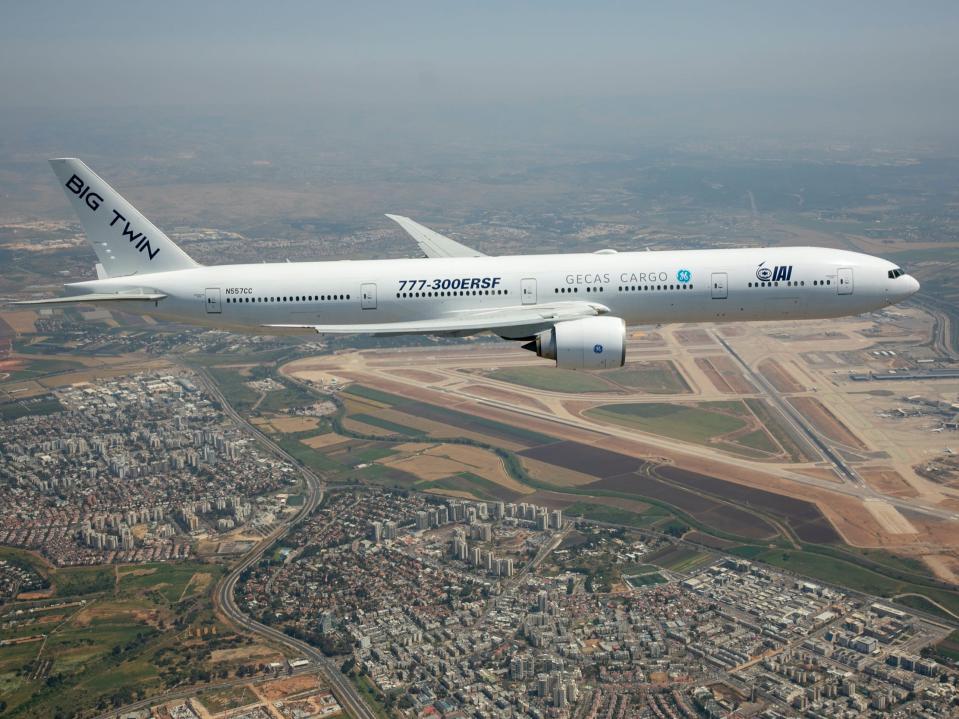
589 343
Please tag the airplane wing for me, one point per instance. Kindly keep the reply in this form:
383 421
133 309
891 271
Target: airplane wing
535 318
96 297
433 243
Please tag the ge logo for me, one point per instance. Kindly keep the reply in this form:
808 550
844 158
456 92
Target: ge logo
598 349
684 275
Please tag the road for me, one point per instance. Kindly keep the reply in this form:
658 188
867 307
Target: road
223 598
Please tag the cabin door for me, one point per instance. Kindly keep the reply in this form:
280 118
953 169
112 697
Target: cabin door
528 291
213 300
719 291
368 296
844 280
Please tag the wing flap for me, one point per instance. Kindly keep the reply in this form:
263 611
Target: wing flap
538 316
97 297
433 243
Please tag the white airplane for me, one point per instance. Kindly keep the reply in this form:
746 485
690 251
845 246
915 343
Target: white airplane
572 308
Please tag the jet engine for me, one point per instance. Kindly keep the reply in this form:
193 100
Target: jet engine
588 343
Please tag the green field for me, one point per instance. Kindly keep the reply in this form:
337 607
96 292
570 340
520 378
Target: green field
39 367
654 377
691 423
281 400
118 646
46 404
387 425
948 649
233 386
171 581
616 515
78 581
551 379
645 580
373 394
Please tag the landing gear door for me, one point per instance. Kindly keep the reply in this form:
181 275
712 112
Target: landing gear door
844 280
213 300
368 296
719 291
528 291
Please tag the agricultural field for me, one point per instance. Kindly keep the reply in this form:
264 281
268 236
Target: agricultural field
616 515
680 558
729 425
551 379
651 377
698 423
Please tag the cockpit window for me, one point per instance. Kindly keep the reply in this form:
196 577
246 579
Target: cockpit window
896 272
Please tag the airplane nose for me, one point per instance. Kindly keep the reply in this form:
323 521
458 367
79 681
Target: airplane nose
913 285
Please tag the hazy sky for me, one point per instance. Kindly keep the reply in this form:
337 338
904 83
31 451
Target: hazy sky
823 67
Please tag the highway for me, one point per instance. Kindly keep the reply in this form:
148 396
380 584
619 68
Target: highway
346 694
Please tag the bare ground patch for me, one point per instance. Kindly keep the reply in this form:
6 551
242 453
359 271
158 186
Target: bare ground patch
825 421
324 440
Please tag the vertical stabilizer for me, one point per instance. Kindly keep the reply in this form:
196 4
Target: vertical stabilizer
125 241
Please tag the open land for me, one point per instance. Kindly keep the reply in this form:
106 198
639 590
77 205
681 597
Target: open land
709 448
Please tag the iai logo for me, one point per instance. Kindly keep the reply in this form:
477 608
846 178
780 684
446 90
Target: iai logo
598 349
773 274
684 275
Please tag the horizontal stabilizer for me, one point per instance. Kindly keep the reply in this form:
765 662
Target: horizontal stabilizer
433 243
97 297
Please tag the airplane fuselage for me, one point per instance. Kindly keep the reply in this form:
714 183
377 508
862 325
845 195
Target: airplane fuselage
640 287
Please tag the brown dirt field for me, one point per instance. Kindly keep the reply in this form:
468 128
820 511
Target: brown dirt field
503 395
360 427
732 331
324 440
731 373
40 594
442 461
437 429
294 424
889 517
779 376
718 382
694 337
856 525
940 533
452 493
281 688
245 654
888 481
559 476
418 375
20 321
51 619
825 421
